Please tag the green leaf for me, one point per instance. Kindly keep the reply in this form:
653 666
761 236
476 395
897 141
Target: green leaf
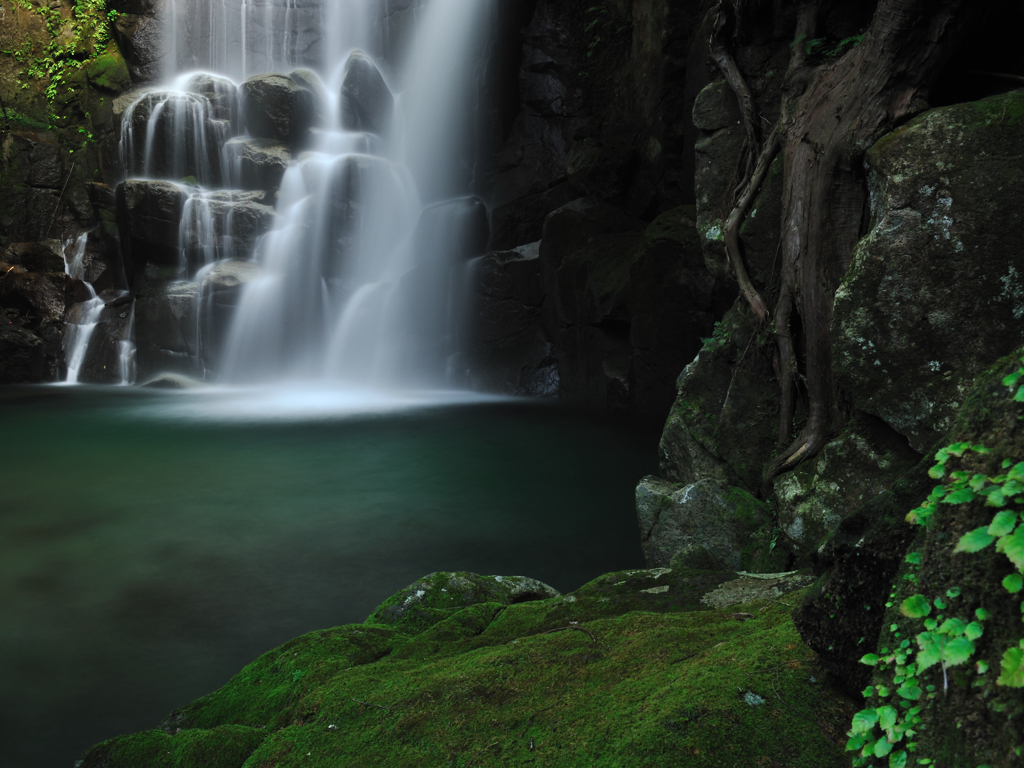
864 721
982 667
882 748
931 650
887 717
975 541
953 593
856 742
1011 380
953 627
957 651
1003 523
909 691
995 497
937 472
1019 397
1013 547
898 759
868 692
982 614
931 624
960 496
940 603
916 607
974 630
870 659
1016 473
1013 583
1012 674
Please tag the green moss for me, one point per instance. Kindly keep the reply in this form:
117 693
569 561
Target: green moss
268 691
109 71
226 746
580 680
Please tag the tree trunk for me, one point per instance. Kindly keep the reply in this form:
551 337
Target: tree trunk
831 114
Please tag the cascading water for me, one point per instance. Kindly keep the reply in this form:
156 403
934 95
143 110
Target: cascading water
365 151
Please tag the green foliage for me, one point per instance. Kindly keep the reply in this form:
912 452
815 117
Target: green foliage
945 642
718 339
73 43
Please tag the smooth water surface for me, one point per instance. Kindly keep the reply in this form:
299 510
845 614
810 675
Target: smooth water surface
151 544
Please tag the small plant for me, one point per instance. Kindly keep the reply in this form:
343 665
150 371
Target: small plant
887 731
719 338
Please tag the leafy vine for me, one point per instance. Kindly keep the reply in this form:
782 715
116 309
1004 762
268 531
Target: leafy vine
888 729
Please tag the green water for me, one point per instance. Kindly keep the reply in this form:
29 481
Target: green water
148 552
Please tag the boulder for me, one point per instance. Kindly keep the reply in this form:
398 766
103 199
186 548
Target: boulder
509 351
41 256
705 525
23 356
851 470
166 330
724 421
225 224
102 363
149 219
173 135
935 292
256 163
275 107
221 287
41 295
366 102
221 93
433 598
310 81
139 32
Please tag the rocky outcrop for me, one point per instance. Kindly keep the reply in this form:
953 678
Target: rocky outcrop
149 218
706 526
256 163
508 349
366 102
166 335
277 108
139 30
935 292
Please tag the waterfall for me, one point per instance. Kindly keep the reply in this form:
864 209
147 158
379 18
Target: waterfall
329 145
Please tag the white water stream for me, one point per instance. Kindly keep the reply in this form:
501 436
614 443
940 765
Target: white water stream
361 275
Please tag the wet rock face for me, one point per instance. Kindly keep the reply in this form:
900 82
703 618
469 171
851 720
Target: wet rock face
139 32
149 216
704 525
277 108
310 81
509 350
174 135
935 292
223 225
23 356
165 329
102 362
220 92
256 163
366 102
43 256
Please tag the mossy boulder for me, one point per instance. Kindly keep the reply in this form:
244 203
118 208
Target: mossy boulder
935 292
701 525
859 464
589 679
723 424
435 597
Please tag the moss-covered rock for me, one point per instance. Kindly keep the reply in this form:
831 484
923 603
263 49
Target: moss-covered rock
435 597
580 680
701 525
859 464
935 293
